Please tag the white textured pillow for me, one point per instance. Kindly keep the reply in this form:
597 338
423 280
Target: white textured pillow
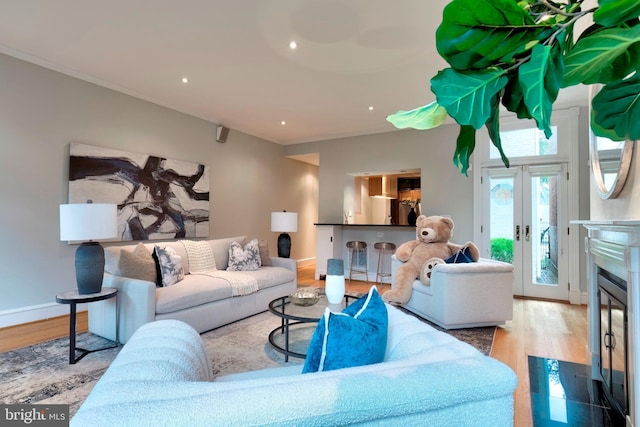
247 259
170 265
200 256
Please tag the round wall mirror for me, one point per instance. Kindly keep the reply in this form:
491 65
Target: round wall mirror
610 161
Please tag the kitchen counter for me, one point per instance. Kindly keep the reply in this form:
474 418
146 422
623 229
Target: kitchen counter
331 239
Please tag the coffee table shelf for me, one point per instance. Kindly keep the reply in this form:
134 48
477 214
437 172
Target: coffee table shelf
298 323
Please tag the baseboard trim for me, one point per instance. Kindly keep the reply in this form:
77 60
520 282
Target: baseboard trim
578 297
34 313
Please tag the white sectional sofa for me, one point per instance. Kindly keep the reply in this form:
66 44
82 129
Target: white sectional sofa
428 378
464 295
203 302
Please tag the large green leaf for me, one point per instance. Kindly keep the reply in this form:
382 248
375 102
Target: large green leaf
513 98
617 108
540 79
467 95
603 56
465 144
421 118
611 12
476 34
493 127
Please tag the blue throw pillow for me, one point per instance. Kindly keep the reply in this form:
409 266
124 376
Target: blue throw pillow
355 337
462 256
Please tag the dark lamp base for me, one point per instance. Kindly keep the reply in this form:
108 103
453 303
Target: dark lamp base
89 267
284 245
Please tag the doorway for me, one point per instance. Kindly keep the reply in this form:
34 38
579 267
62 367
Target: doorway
525 223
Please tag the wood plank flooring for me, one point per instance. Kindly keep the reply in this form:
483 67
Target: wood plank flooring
539 328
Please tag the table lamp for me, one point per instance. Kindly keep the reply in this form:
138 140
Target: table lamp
88 222
284 222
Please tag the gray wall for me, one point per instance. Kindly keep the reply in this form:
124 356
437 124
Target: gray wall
42 111
444 190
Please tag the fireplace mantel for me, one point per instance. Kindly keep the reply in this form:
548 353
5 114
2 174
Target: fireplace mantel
614 245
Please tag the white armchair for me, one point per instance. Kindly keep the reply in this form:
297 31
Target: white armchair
464 295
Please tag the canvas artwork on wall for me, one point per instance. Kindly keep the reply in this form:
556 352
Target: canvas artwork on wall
157 198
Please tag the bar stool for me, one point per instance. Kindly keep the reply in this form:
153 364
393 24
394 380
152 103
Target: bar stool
356 248
383 249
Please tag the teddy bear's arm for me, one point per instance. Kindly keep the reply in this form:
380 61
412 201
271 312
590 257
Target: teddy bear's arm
403 253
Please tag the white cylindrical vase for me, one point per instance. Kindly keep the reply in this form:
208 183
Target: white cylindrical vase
334 285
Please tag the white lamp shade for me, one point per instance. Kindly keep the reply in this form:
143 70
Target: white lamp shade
284 222
88 221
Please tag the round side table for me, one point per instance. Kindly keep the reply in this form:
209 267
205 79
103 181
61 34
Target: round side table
73 298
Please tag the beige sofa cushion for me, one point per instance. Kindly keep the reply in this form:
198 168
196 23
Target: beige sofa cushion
191 291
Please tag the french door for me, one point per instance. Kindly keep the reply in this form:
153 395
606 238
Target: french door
525 223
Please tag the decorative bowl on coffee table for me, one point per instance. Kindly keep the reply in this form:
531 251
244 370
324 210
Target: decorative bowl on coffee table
305 296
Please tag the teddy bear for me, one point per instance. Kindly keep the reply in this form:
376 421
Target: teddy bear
427 268
432 241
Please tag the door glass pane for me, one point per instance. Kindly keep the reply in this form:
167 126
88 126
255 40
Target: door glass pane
526 142
544 229
501 216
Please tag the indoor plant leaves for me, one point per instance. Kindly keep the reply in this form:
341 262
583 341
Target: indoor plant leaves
540 79
513 99
617 108
611 12
593 58
465 144
520 52
493 127
426 117
467 95
476 34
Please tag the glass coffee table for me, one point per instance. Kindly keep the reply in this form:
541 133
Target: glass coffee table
293 335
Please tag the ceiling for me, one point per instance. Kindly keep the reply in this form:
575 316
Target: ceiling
351 55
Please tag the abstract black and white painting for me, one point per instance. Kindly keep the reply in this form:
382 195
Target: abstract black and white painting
157 198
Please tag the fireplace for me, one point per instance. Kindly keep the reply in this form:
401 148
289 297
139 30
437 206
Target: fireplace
613 275
613 333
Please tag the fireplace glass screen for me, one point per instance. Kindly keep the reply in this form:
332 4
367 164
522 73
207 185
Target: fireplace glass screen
613 340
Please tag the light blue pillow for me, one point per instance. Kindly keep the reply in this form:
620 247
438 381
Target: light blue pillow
355 337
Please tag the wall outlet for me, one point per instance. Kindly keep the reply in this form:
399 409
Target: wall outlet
379 234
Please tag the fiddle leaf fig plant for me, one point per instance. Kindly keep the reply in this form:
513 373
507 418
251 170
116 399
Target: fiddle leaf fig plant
519 54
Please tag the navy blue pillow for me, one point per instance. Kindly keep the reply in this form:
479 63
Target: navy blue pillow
356 336
462 256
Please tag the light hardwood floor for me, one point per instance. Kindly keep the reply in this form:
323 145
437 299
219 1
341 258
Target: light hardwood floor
539 328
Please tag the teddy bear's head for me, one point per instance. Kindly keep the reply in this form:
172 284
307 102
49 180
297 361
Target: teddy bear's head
434 229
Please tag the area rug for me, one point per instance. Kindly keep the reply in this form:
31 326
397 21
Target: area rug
41 373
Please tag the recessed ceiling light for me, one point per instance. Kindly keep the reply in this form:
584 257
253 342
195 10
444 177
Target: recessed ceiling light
293 45
370 107
283 123
185 80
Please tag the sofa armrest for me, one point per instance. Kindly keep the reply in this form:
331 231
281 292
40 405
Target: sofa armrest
483 265
136 307
288 263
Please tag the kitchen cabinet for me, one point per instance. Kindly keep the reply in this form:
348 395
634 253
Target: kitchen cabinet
383 186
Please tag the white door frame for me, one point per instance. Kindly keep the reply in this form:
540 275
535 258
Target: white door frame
526 228
566 122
